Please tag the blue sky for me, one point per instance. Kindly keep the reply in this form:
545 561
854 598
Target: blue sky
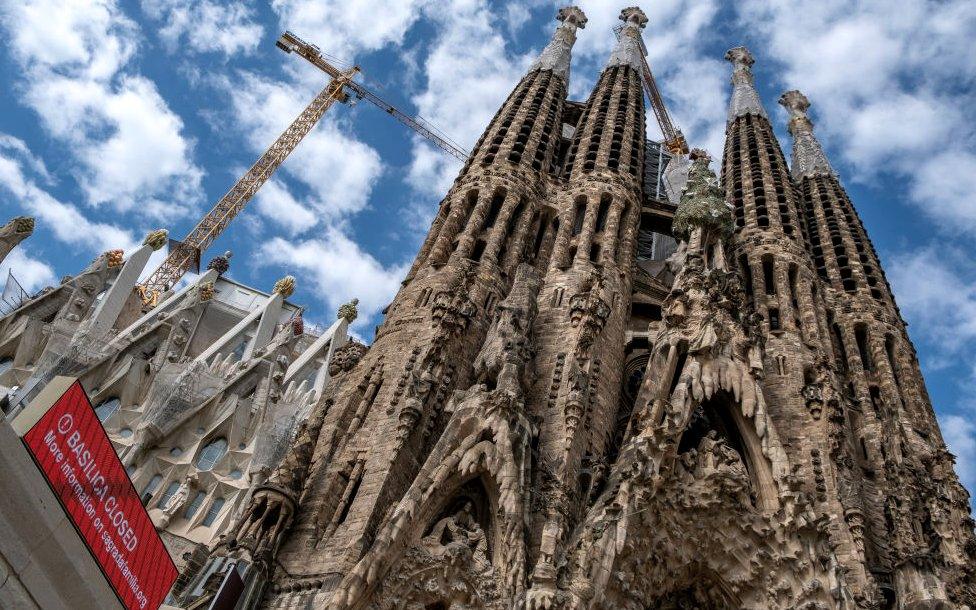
122 116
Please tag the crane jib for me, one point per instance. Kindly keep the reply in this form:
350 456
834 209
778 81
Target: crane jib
179 260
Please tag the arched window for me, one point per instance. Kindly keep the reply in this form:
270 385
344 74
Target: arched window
107 408
211 453
6 364
170 491
195 504
150 488
213 512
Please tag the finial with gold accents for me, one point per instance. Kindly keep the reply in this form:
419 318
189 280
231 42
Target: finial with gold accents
206 291
349 311
114 258
156 239
285 286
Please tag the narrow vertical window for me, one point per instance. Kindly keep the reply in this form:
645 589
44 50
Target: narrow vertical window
840 354
861 336
494 209
167 494
774 319
580 214
213 512
602 212
746 277
793 289
150 488
890 351
768 276
195 504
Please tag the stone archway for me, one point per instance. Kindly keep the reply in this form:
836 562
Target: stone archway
719 419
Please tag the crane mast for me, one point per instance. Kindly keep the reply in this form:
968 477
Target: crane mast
185 255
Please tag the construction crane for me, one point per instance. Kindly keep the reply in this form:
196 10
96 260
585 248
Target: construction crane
291 43
674 140
185 255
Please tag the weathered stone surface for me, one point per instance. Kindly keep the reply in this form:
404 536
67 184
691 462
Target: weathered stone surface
746 426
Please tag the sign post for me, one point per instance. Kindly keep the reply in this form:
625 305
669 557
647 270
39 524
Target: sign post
73 452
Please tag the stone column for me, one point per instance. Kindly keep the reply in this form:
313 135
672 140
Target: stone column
459 211
585 239
611 231
498 236
109 308
477 218
560 248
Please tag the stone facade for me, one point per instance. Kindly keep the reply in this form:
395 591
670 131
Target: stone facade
201 395
585 397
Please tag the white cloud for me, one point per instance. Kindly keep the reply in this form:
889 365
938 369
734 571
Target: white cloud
67 223
936 289
129 146
469 73
275 202
205 26
337 270
960 436
31 273
345 27
889 81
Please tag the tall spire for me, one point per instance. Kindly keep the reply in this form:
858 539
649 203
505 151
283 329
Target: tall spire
808 156
745 98
558 53
630 48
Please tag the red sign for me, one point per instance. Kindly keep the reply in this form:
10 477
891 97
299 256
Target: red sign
74 453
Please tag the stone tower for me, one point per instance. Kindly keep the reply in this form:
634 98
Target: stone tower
511 439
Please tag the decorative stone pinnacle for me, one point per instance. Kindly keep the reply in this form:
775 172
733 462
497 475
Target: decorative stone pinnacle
114 258
572 15
349 311
156 239
558 53
740 56
285 286
797 105
809 158
745 98
630 49
206 291
634 15
220 264
23 224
